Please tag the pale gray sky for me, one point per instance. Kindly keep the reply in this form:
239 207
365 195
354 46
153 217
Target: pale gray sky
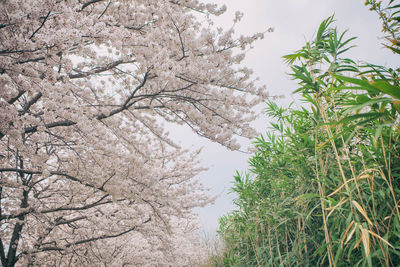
294 22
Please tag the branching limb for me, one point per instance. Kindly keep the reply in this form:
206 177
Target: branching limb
102 237
85 5
99 69
41 25
30 103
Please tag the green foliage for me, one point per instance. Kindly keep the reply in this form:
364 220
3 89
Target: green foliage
324 184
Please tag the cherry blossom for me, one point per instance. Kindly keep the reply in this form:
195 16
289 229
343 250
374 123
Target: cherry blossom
88 174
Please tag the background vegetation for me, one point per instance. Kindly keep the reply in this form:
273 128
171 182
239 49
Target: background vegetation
324 184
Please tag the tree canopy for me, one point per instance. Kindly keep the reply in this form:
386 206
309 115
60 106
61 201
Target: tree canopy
88 175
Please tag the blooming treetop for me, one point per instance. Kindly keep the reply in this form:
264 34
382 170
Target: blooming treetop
88 176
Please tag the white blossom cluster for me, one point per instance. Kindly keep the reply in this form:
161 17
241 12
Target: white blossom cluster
88 175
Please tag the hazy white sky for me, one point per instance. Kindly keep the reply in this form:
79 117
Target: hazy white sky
294 22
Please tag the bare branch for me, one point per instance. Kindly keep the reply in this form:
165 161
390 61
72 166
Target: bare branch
70 177
99 69
30 103
105 10
180 39
12 100
13 246
2 254
30 60
126 104
41 25
99 202
102 237
63 221
84 207
85 5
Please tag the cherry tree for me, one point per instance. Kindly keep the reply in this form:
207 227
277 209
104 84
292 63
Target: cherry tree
88 173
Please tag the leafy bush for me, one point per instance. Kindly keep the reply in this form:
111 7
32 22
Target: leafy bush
324 184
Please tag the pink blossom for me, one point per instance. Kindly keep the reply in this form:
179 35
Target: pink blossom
87 169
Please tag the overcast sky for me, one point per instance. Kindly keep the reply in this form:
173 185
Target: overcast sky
294 22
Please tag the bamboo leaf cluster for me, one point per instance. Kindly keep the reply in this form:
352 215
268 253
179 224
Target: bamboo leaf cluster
324 185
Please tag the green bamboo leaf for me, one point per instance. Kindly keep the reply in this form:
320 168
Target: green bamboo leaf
397 106
347 68
309 196
362 99
322 27
373 91
395 6
387 88
362 105
395 50
364 85
360 82
344 50
289 59
369 116
347 41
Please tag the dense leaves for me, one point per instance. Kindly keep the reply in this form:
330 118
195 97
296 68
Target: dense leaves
324 184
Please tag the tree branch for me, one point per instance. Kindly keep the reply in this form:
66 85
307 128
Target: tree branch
180 39
30 60
98 69
104 11
12 100
126 104
2 255
63 221
85 207
33 129
70 177
85 5
13 246
102 237
41 25
30 103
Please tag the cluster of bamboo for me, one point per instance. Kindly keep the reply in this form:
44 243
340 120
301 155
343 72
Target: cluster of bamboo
324 187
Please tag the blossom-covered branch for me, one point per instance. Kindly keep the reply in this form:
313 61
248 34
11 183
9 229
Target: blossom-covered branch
88 174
